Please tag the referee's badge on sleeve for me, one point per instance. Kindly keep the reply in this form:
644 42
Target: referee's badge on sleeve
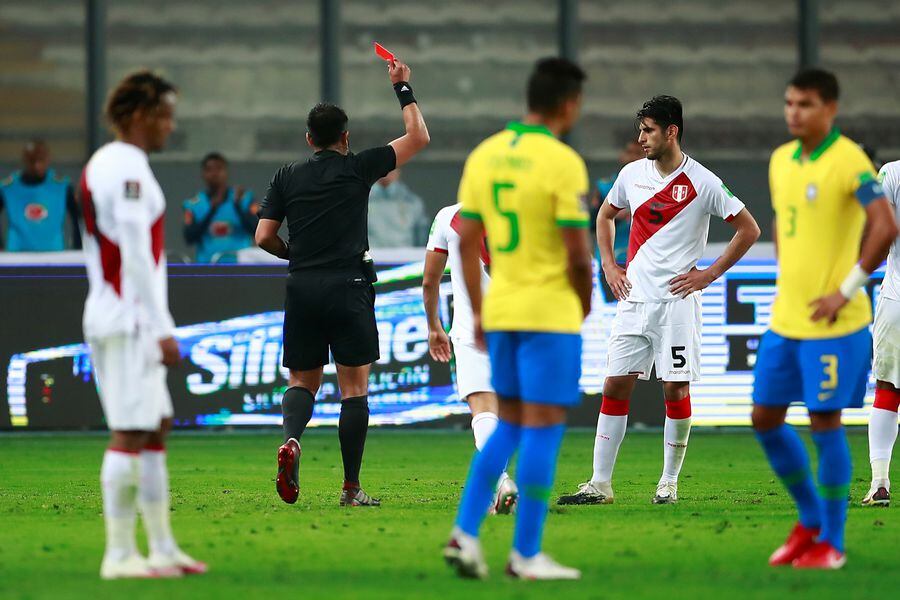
132 190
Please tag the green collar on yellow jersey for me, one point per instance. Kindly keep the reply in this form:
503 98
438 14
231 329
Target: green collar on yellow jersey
830 139
520 128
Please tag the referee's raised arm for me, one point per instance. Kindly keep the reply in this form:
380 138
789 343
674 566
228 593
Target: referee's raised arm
416 137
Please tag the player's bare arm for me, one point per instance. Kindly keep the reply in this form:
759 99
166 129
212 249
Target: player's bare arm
746 233
606 233
579 266
470 235
438 340
881 233
268 239
416 137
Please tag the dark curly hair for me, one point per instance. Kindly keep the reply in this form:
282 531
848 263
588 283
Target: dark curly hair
142 89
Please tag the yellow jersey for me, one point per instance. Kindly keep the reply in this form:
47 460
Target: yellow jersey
524 184
820 216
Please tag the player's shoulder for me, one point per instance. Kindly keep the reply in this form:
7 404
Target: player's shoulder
889 176
784 152
119 160
699 174
447 213
551 147
846 147
487 146
444 217
633 170
890 169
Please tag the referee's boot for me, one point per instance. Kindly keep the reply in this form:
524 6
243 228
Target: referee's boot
287 482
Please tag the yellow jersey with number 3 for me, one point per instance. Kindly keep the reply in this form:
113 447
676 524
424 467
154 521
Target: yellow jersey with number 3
523 184
819 209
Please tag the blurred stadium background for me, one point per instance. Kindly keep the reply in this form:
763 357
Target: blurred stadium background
249 71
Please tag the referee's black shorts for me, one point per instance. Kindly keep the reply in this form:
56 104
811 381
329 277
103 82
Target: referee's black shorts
329 309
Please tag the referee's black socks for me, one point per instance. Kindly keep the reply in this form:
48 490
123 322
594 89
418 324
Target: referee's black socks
352 427
297 408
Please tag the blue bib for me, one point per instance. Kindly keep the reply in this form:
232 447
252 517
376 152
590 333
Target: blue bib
225 234
36 213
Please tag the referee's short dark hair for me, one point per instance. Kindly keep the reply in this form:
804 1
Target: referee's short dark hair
217 156
553 82
325 123
822 81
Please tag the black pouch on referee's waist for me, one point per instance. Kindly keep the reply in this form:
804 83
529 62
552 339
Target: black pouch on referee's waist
368 268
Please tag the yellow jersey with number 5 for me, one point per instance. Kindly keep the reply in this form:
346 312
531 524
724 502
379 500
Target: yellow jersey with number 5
523 184
819 209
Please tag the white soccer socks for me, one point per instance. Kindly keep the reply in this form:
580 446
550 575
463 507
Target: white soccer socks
483 425
883 434
675 437
610 432
153 498
119 481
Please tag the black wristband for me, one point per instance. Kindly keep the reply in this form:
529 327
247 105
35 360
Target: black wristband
404 93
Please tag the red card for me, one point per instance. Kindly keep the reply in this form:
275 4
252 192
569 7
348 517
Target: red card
383 52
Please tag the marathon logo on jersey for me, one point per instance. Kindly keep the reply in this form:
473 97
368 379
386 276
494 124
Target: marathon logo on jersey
220 229
35 212
680 193
132 190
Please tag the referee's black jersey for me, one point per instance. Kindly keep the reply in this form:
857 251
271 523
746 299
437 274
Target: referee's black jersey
326 203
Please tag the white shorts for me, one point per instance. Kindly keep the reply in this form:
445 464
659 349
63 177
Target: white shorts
886 337
131 381
473 369
664 333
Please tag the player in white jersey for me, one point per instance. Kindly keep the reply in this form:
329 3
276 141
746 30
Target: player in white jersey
129 329
473 367
671 198
886 367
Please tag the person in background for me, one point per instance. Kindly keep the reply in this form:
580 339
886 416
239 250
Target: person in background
630 153
37 201
396 215
220 219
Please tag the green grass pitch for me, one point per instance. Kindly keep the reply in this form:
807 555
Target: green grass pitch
714 543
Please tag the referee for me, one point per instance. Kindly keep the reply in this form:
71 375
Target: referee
330 300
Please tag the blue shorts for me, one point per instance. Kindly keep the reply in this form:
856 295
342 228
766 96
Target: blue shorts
826 375
543 368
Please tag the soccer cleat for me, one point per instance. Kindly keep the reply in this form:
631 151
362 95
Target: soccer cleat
179 561
799 541
357 497
287 482
539 566
463 554
134 566
506 498
877 496
666 493
590 492
821 555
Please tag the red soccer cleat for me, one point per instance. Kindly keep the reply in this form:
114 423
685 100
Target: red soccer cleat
822 555
799 541
287 482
